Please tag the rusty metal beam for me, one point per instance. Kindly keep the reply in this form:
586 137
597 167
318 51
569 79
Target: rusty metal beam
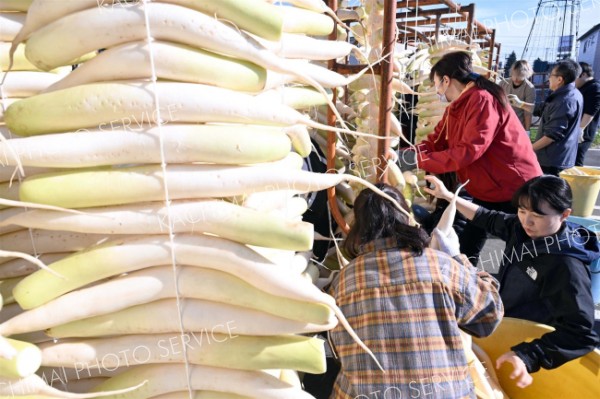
426 33
479 25
491 55
413 31
425 13
451 7
482 28
414 3
499 47
450 4
470 21
347 69
453 20
331 141
433 21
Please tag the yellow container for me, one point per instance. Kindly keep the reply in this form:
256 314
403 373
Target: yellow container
585 184
579 378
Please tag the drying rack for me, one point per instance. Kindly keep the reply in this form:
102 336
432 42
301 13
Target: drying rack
427 20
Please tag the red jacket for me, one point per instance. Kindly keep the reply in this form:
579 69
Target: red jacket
481 142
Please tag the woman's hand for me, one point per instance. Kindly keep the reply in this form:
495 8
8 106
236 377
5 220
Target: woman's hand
437 189
520 374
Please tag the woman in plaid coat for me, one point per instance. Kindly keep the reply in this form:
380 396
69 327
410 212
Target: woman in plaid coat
408 303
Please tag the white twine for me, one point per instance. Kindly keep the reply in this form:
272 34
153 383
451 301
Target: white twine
163 166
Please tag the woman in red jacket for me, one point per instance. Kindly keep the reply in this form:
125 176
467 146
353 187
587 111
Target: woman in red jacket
481 139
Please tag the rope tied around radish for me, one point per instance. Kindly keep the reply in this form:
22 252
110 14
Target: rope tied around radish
163 165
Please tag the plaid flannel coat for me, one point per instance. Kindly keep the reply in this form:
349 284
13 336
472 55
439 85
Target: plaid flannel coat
408 310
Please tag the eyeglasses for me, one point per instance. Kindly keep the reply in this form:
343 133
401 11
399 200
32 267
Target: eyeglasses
555 75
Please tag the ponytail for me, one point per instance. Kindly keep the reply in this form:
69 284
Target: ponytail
492 88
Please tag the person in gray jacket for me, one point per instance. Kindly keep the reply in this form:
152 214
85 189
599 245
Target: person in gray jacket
558 134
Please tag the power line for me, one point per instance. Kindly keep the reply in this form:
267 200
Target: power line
550 39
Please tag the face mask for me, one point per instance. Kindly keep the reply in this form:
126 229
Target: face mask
442 97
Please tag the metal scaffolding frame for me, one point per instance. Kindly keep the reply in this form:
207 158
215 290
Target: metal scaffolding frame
430 18
425 19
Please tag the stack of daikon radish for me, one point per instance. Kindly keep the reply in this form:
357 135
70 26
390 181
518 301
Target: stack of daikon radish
169 219
26 79
19 359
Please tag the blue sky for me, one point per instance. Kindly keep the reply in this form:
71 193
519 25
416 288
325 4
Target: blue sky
512 20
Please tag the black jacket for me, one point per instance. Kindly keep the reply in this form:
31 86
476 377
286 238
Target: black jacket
591 106
547 280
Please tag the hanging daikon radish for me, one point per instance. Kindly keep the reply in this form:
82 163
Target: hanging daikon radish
150 284
138 143
242 352
197 315
163 379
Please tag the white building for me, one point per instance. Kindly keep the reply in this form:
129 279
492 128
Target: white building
589 49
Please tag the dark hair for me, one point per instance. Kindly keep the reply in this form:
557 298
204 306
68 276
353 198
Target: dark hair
587 69
568 69
553 190
376 217
458 66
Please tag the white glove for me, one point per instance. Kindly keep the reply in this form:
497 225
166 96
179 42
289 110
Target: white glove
514 101
445 243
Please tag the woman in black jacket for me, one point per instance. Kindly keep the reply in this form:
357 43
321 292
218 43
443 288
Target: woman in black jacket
544 273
